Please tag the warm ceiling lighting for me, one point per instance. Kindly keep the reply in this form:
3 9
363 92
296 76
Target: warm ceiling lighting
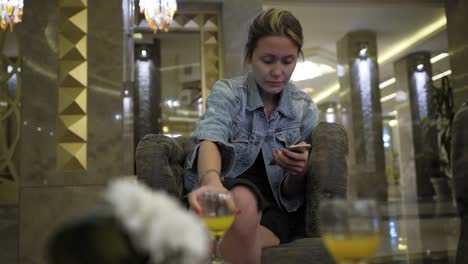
309 70
158 13
11 12
387 83
439 57
329 91
440 75
421 34
388 97
393 123
401 46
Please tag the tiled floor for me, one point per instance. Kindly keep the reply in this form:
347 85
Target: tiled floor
419 233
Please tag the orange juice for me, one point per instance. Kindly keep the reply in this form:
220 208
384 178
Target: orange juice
218 224
351 247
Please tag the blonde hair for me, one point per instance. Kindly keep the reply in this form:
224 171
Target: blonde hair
273 22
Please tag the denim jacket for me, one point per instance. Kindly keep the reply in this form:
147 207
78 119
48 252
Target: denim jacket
235 119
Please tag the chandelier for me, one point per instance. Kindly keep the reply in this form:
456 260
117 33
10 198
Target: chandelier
11 12
158 13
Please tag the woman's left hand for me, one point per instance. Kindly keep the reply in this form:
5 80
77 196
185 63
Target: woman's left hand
295 163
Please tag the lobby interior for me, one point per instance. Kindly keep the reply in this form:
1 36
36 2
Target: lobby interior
81 82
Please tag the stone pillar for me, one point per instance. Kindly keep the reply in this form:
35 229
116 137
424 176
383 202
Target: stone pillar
147 94
413 74
237 16
362 117
51 194
457 19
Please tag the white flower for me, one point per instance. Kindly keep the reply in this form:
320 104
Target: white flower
157 223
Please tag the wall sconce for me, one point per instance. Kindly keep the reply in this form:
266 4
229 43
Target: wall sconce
143 53
363 50
420 67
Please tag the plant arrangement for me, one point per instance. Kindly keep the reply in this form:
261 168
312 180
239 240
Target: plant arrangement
443 113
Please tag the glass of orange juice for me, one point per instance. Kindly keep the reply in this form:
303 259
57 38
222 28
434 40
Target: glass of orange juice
350 229
218 215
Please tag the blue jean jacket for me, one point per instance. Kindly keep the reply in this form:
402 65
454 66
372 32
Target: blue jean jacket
235 119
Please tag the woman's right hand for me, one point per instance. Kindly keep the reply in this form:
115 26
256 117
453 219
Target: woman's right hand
193 196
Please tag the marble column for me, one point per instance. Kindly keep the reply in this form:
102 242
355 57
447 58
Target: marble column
361 114
237 15
457 31
147 94
413 74
49 196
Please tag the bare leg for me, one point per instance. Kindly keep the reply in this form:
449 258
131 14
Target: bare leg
243 242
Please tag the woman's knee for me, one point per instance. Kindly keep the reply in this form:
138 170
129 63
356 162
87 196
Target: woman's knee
246 201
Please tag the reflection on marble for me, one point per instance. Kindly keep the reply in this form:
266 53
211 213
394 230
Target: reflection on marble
40 93
43 209
8 234
107 150
457 31
412 232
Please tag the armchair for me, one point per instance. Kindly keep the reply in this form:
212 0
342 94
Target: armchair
460 173
160 161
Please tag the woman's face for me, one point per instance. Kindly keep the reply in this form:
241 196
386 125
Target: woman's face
273 62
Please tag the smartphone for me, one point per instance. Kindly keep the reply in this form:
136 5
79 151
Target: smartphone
299 148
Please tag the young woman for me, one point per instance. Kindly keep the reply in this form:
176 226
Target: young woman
243 136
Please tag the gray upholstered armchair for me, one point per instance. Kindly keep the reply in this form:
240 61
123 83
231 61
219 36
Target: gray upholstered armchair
460 177
160 161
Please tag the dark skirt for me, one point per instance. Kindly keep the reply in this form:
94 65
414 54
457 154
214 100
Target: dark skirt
286 226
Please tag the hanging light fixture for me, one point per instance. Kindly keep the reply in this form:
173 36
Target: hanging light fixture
158 13
11 12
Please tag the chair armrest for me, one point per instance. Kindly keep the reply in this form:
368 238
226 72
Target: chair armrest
327 172
160 162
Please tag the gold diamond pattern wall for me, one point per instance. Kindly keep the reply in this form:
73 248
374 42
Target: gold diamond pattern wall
73 81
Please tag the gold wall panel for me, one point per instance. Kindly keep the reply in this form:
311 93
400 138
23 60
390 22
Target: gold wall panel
72 120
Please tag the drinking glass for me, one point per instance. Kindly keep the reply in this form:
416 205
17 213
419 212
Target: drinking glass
217 212
350 229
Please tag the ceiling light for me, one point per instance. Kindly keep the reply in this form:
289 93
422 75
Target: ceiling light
137 36
423 33
388 97
158 13
363 52
401 96
440 75
387 83
309 70
329 91
439 57
11 12
393 123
